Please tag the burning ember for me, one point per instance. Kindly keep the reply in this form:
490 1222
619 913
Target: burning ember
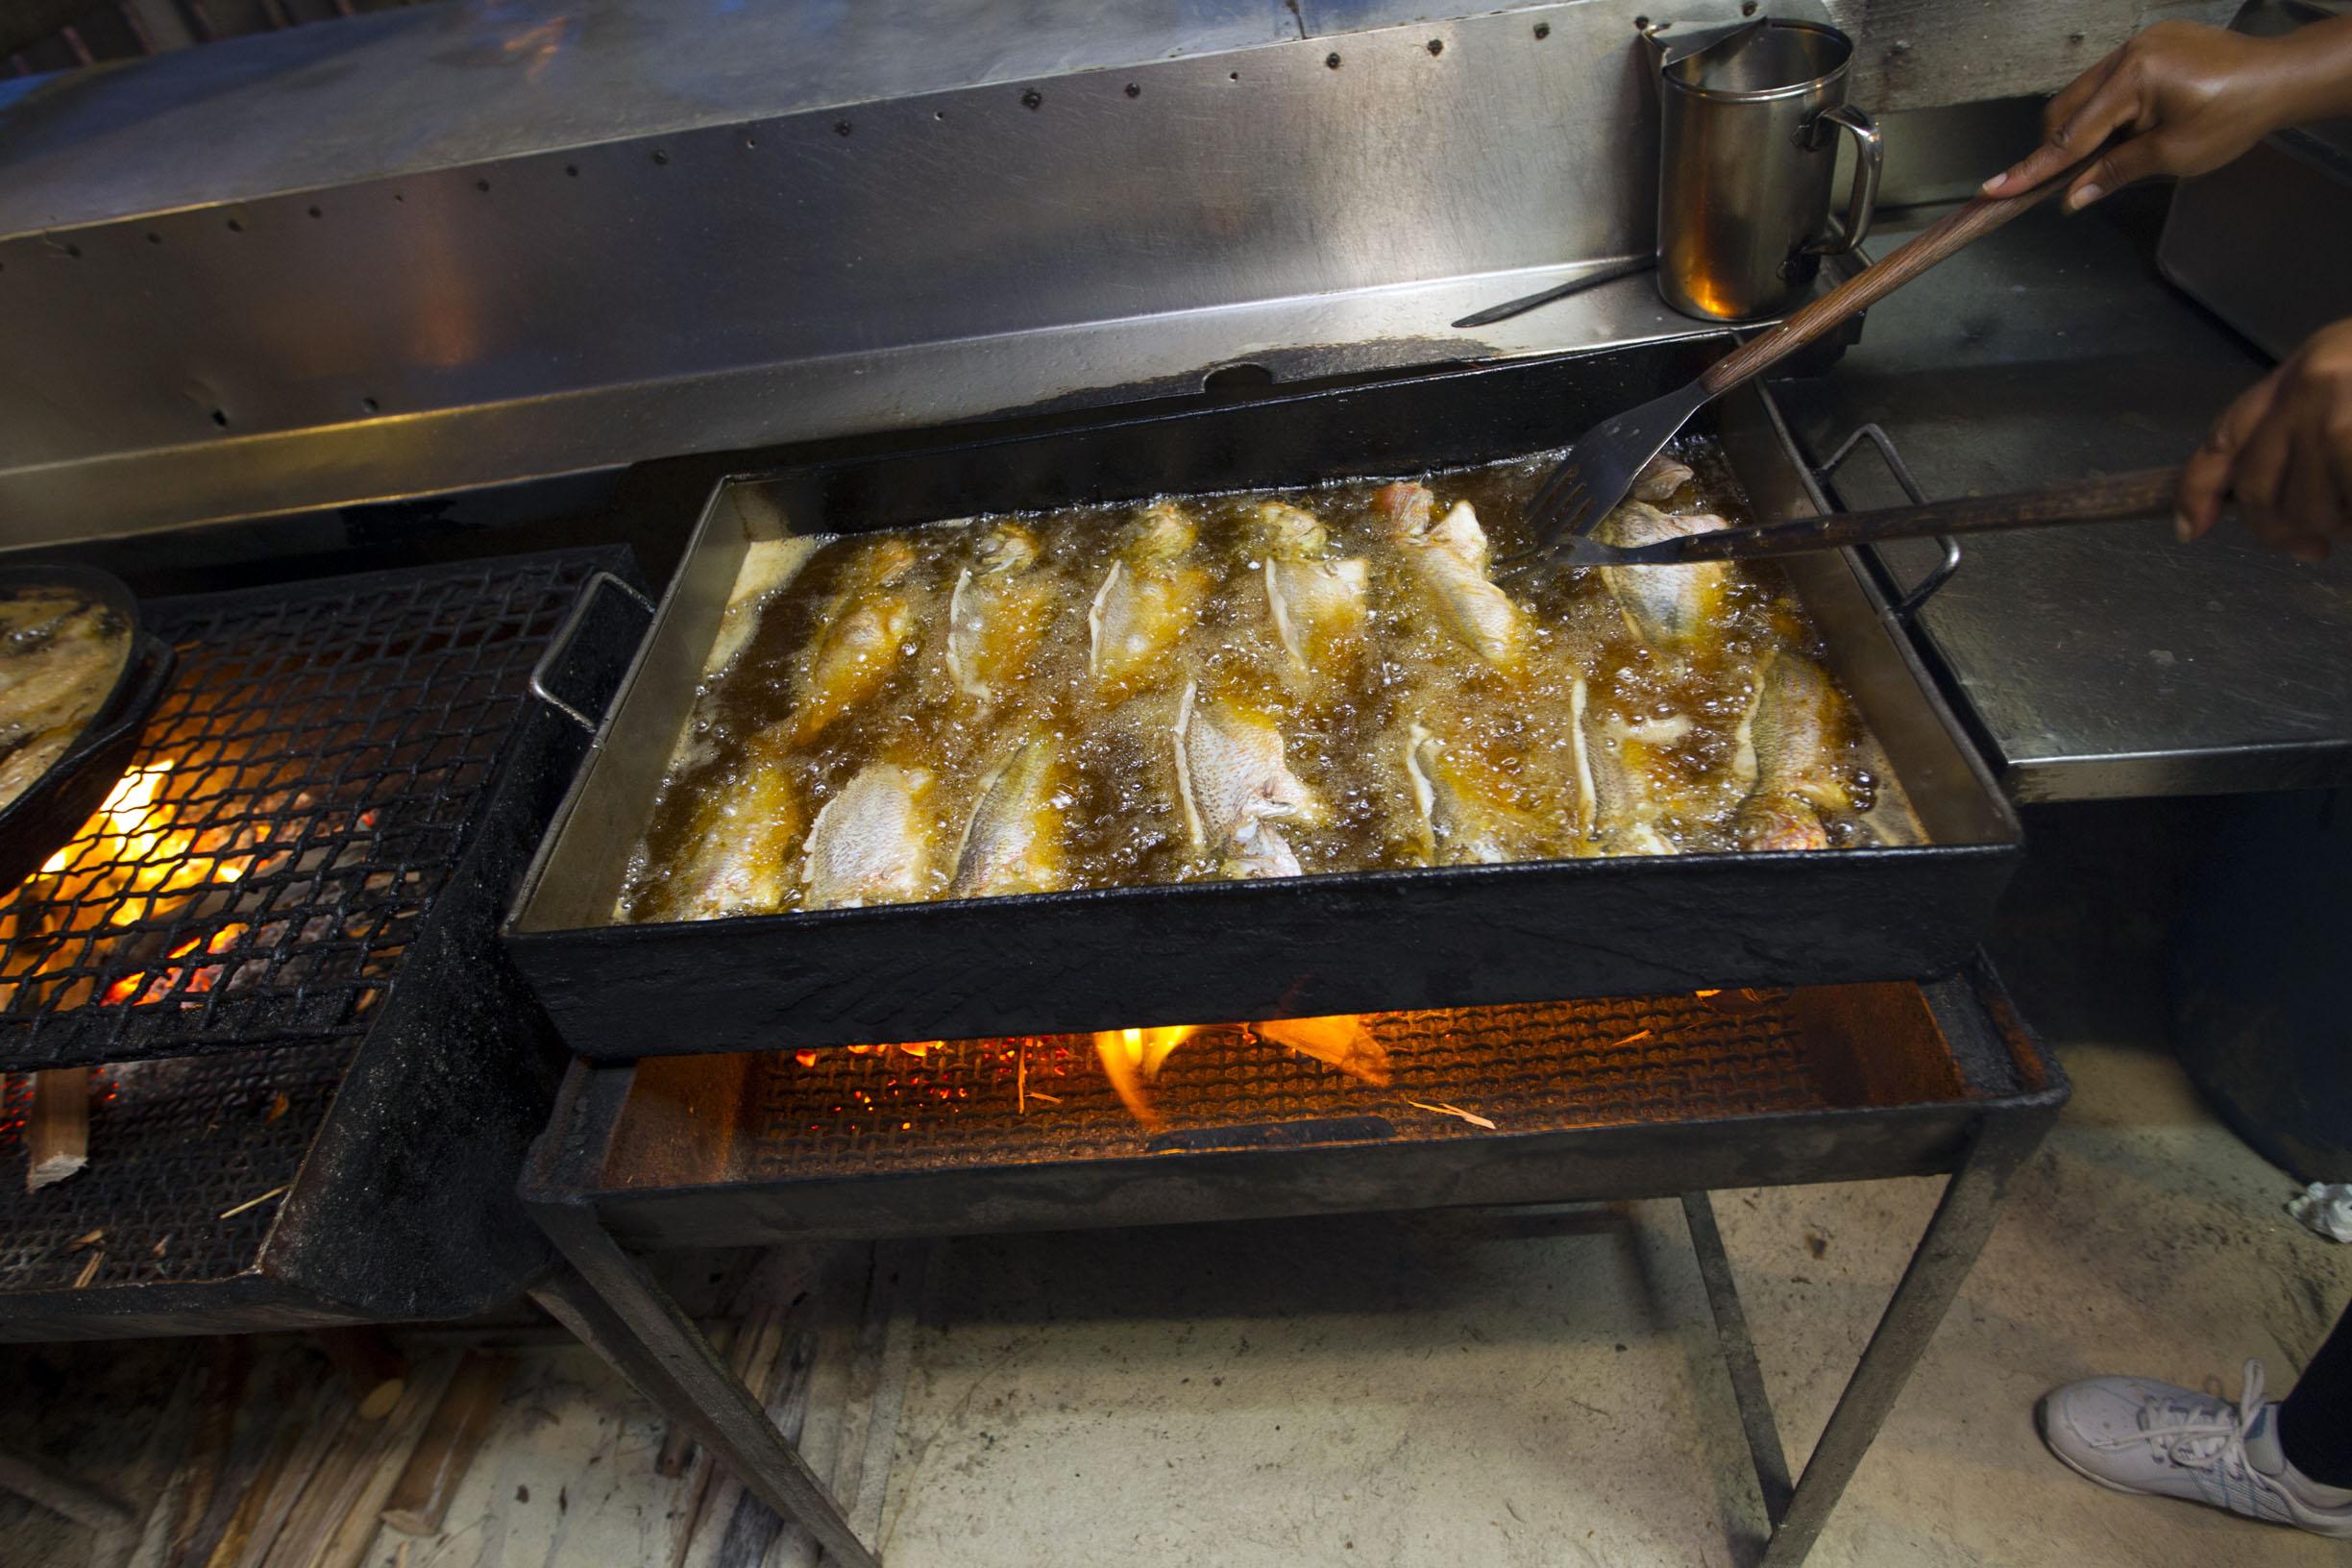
130 990
168 857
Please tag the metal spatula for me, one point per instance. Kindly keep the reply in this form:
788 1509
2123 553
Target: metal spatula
2107 500
1599 469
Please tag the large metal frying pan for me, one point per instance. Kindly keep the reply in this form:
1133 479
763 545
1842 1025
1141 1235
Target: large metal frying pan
44 819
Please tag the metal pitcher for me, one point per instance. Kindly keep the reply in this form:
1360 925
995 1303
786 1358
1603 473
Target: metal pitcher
1747 156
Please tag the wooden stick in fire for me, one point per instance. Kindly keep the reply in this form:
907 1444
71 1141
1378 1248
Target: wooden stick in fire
56 1129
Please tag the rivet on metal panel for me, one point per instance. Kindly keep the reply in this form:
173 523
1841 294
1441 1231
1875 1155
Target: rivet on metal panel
1133 92
841 128
1331 59
661 158
1032 99
1543 31
1436 46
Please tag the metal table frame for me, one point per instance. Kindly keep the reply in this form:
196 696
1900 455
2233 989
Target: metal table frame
613 1304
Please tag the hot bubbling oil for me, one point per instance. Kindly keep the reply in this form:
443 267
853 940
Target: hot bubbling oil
1344 725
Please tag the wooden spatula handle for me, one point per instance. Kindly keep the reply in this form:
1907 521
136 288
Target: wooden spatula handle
2108 498
1874 283
2112 497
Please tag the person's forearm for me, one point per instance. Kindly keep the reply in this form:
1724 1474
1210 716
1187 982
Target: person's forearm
2313 79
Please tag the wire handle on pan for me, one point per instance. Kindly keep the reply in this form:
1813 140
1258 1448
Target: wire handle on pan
1907 607
560 644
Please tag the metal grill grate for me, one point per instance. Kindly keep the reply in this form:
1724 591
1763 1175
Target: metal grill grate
174 1146
332 743
1524 1068
296 806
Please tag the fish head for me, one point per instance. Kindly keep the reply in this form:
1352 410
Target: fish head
1779 822
1164 532
1286 530
1406 508
887 560
1458 533
1660 478
1006 547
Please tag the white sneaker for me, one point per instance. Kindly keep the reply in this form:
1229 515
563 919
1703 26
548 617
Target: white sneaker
2138 1436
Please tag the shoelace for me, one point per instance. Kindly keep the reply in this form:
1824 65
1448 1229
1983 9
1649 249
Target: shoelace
2189 1435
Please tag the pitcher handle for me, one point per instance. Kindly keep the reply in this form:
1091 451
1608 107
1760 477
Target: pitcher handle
1862 202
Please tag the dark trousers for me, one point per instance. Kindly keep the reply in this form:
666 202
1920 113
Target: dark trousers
2315 1422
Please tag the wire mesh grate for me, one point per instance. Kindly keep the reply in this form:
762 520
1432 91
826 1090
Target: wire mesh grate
300 796
1524 1067
180 1151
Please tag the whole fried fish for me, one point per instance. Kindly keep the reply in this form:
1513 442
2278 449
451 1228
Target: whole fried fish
1669 607
1449 558
1460 809
1235 786
1659 478
871 842
1013 843
1788 743
1316 602
997 613
1148 599
867 628
1617 799
739 853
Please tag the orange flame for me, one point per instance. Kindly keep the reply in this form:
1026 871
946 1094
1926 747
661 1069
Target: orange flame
1132 1058
133 862
1338 1040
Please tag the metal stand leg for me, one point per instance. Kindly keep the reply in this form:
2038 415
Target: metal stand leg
1739 1354
608 1299
1963 1219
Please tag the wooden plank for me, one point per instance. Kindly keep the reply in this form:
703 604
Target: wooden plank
903 1268
417 1499
210 1444
358 1518
1924 54
57 1126
313 1442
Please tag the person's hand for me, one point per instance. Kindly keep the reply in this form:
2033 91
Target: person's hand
2284 451
2187 99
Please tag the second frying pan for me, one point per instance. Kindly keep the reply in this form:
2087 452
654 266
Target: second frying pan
45 816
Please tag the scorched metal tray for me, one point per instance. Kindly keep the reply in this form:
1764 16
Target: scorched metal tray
1212 952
